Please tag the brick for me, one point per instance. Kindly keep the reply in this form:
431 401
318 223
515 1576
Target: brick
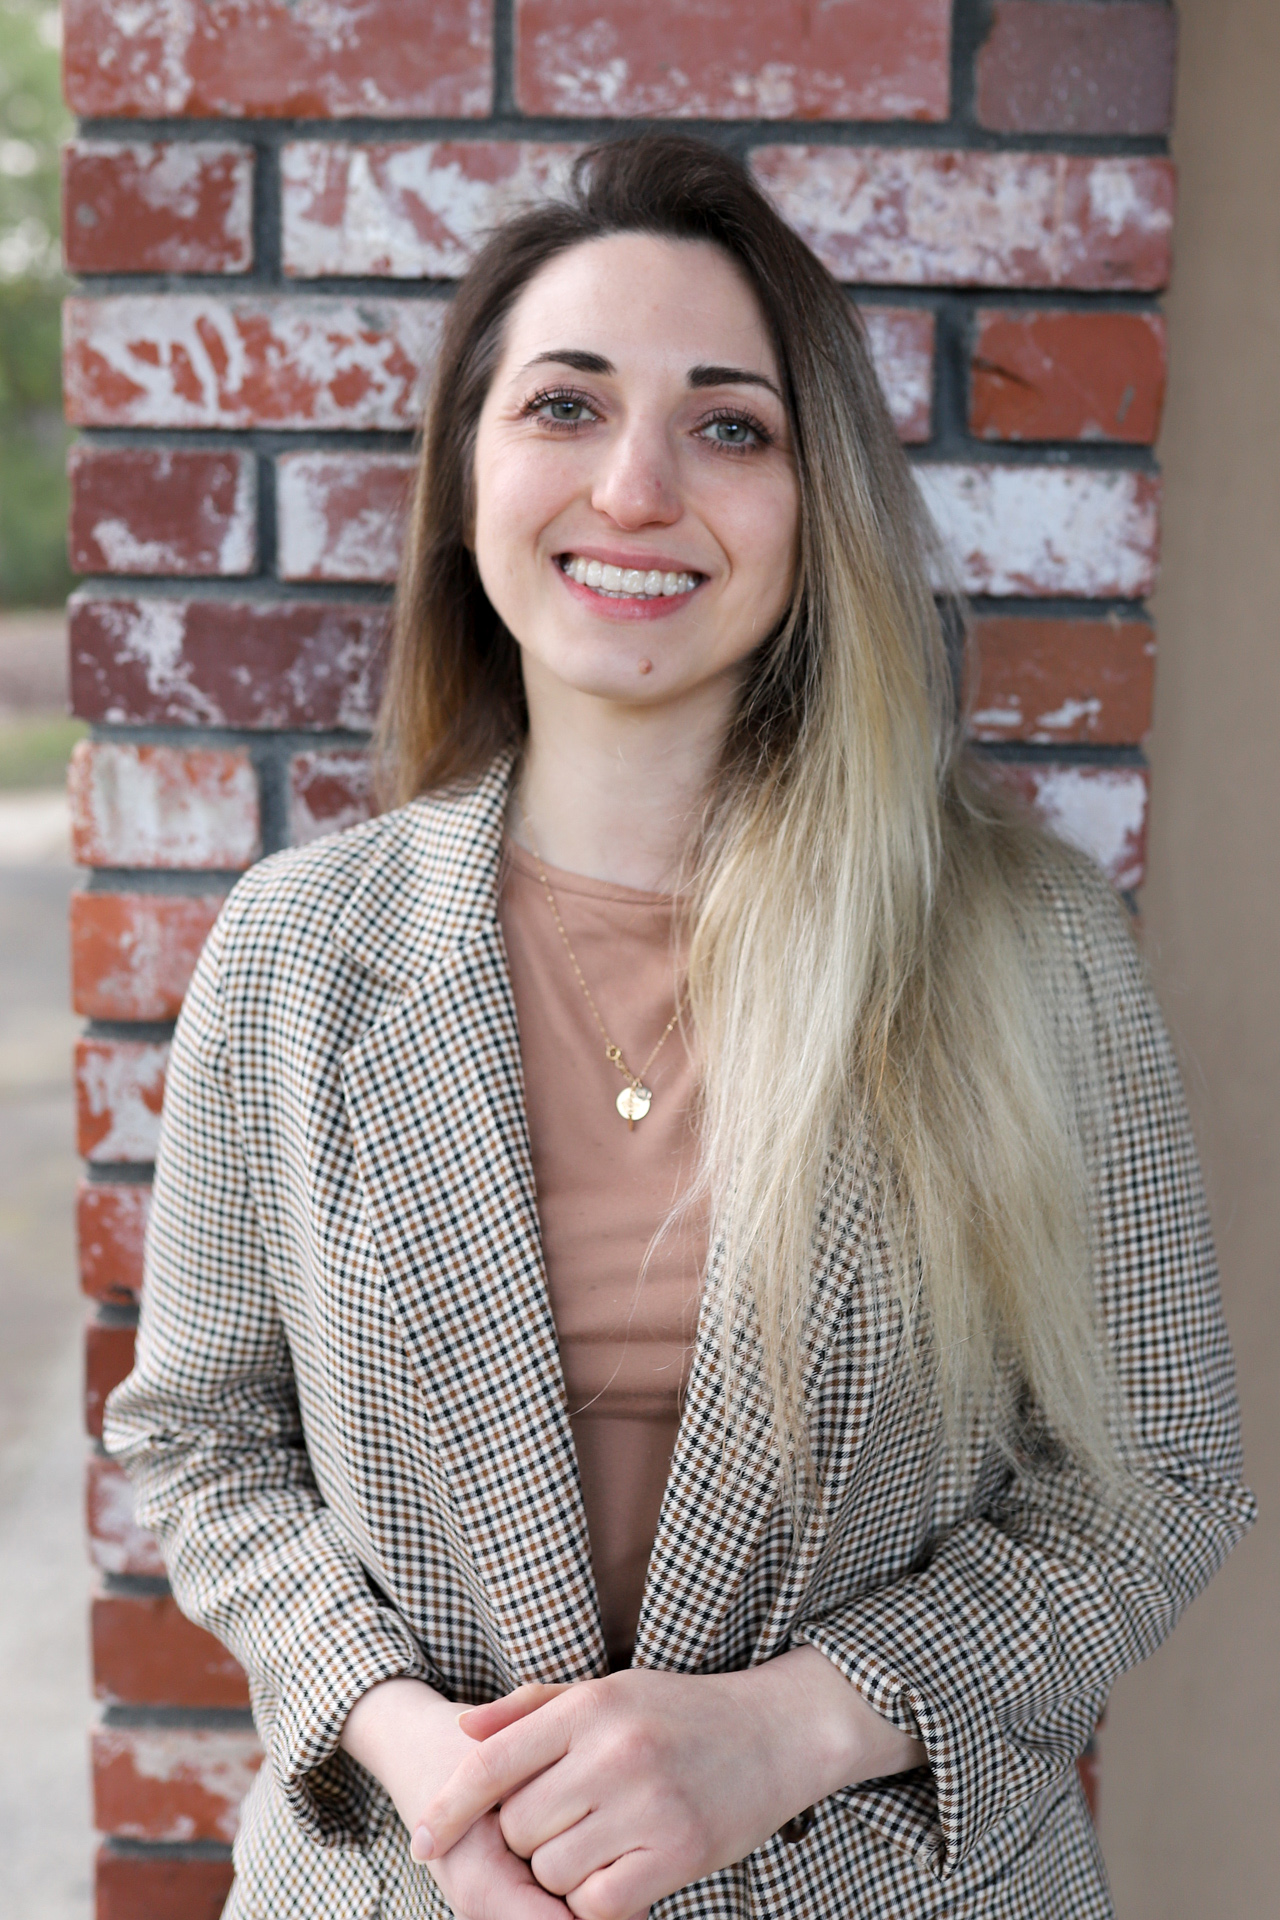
321 59
1077 66
108 1359
922 218
735 59
327 792
145 806
162 510
1084 532
111 1225
1061 682
119 1092
203 360
406 209
117 1544
172 1783
227 663
148 1654
132 954
1068 376
901 340
1101 810
157 207
135 1886
340 515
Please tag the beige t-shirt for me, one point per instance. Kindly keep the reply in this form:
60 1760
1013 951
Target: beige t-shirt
603 1191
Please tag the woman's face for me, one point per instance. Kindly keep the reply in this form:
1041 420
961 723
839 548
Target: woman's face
637 506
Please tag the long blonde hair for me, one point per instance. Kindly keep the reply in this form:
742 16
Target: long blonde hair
873 966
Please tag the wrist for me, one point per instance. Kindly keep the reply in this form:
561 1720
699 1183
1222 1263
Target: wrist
836 1736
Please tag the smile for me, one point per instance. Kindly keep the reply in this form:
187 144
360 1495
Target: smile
625 583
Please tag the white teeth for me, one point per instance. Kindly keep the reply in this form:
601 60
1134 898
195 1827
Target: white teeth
627 582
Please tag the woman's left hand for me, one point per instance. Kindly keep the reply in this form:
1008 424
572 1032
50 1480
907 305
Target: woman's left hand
619 1791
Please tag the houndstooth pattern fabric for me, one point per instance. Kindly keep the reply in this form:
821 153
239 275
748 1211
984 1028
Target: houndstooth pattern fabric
347 1419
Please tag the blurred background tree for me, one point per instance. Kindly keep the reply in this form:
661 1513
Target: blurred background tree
33 439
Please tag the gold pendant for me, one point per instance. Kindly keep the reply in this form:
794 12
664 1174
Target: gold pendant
633 1103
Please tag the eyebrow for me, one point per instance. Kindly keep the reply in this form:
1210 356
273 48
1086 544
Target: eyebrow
698 376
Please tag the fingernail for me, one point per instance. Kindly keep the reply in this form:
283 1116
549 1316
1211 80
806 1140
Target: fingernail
423 1845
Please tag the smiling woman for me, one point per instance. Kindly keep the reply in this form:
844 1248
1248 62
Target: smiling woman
681 1237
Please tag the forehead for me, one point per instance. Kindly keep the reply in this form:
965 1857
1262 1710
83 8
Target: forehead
637 297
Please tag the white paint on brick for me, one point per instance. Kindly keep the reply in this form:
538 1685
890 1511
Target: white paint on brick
315 545
196 360
215 1766
902 352
912 217
117 1544
162 807
412 211
152 634
1101 810
238 552
121 1081
1046 530
168 176
350 775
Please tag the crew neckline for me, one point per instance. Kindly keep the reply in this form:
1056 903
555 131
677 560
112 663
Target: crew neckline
580 883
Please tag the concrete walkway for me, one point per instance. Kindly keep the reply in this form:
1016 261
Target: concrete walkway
45 1842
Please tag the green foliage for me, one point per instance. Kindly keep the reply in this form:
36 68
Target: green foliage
33 441
35 749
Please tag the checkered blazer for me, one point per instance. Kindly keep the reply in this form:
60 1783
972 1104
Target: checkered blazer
347 1420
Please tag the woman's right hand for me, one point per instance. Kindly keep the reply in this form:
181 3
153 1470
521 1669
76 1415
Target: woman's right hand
408 1737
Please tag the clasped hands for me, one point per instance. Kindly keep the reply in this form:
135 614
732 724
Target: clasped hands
599 1798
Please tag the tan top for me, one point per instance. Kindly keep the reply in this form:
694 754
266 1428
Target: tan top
603 1191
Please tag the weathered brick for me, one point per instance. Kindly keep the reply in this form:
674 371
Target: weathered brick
912 217
339 516
138 1886
157 206
132 954
172 1783
202 360
226 663
327 792
406 209
162 510
117 1544
151 806
108 1358
1077 66
146 1653
119 1091
723 59
1101 810
1086 532
343 58
111 1225
901 340
1061 682
1068 376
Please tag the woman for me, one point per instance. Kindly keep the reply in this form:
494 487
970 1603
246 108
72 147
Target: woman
684 1233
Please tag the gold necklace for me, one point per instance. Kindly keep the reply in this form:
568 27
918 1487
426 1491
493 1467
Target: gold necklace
635 1099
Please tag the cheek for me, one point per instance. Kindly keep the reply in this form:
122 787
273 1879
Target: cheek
765 536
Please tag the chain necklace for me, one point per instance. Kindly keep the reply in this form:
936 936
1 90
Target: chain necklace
635 1099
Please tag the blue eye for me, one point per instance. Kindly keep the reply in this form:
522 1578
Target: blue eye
730 433
562 409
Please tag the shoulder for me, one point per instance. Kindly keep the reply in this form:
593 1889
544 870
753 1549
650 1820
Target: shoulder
305 890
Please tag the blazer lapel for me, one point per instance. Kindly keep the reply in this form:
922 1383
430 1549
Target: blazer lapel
716 1513
435 1100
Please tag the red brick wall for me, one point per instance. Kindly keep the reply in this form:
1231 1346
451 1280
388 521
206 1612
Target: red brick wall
266 208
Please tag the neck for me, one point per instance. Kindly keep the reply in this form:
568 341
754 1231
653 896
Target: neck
614 792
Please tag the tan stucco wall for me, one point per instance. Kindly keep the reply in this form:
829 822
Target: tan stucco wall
1191 1757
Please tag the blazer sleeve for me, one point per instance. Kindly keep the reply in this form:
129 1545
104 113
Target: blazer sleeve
999 1653
208 1427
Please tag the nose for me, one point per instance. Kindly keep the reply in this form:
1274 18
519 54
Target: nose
636 485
